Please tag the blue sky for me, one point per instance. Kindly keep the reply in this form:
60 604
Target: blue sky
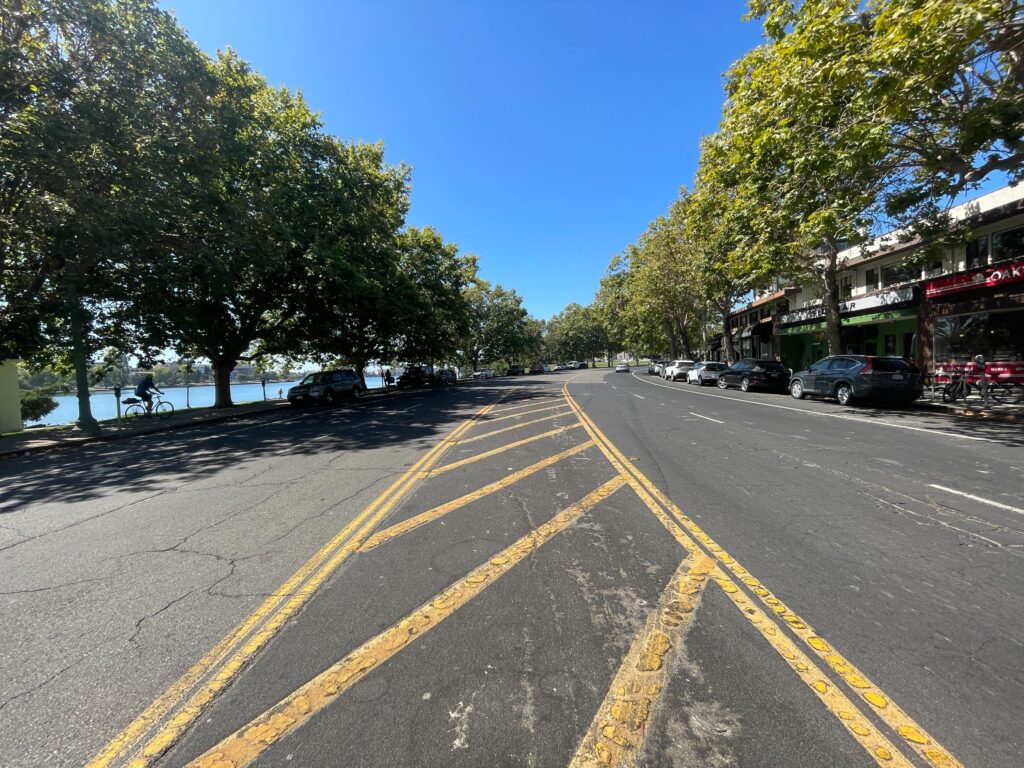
543 136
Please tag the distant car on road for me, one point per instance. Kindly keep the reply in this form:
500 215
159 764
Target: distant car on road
622 368
327 387
859 377
705 373
677 369
749 374
516 370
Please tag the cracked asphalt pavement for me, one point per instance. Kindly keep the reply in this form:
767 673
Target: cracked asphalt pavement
567 569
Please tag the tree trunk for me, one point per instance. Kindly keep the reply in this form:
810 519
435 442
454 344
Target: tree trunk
830 298
730 350
671 332
80 355
222 368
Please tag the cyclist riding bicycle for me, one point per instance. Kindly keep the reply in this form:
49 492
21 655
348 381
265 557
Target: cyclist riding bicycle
143 390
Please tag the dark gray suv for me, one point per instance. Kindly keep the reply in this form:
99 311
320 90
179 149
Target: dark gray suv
859 377
328 387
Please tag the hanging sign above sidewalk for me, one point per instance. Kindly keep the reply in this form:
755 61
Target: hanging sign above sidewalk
881 299
986 277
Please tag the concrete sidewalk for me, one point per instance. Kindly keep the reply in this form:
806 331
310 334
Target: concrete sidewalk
69 436
1011 413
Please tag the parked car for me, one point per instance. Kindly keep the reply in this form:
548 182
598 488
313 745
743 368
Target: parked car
516 370
750 374
327 387
677 369
445 377
537 368
622 368
484 373
415 376
655 366
705 373
582 365
859 377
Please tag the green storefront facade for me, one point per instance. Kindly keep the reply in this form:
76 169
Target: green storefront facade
892 331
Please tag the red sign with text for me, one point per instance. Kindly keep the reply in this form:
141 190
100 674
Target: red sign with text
1004 372
987 277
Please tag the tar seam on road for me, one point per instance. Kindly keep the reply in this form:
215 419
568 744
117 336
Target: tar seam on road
233 643
882 706
616 735
433 514
246 744
514 426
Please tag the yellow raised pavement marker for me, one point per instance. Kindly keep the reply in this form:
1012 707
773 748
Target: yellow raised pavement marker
222 662
911 734
432 514
616 735
246 744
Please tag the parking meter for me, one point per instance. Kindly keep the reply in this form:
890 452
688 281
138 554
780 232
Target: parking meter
117 397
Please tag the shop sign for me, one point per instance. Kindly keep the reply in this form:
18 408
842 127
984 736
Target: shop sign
1005 372
986 277
883 299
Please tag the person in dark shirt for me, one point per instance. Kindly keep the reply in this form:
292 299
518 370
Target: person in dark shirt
143 390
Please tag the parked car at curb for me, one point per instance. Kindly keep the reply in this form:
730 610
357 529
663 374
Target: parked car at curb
677 369
622 368
327 387
484 373
415 376
445 376
859 377
654 367
516 370
537 368
750 374
705 373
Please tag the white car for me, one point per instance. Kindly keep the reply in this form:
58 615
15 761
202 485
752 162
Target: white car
677 369
622 368
484 373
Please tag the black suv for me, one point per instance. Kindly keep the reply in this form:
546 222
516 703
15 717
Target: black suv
415 376
328 387
859 377
516 370
748 374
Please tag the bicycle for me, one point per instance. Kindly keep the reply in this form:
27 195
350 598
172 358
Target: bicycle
1005 392
137 409
957 389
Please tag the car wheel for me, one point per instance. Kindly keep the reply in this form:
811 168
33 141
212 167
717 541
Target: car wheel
723 384
796 389
357 392
330 399
745 384
844 394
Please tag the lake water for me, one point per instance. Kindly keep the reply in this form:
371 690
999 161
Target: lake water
104 406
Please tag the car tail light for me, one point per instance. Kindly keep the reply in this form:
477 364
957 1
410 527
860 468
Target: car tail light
867 369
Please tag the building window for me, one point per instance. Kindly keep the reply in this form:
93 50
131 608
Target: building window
871 279
845 287
1008 244
897 273
977 252
930 270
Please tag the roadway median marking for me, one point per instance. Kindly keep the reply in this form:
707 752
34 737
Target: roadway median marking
525 413
707 418
496 451
246 744
617 733
514 426
530 404
237 648
432 514
880 704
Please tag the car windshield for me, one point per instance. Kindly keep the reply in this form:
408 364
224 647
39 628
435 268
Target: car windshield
313 378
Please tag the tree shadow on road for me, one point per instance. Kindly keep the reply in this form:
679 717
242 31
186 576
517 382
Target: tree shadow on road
156 461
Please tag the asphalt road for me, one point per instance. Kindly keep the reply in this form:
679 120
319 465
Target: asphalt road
569 569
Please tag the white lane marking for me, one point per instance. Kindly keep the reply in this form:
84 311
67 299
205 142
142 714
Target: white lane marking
706 417
972 497
613 386
820 413
634 394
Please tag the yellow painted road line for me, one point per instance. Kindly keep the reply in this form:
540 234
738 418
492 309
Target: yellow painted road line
510 408
172 697
857 725
509 429
912 734
526 413
246 744
432 514
496 451
616 735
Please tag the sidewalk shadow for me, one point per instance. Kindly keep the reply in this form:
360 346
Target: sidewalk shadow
157 460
